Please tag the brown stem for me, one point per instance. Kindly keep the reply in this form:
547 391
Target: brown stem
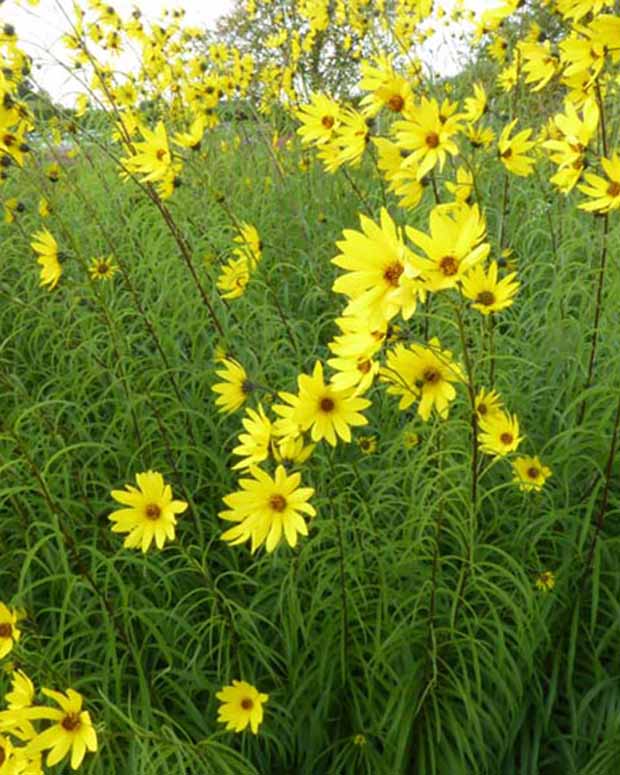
598 308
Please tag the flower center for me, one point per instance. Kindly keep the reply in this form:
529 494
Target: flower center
277 502
482 409
2 756
246 387
6 630
327 121
246 702
506 438
327 404
364 366
432 376
392 273
506 154
161 152
486 298
614 188
432 139
71 722
449 266
533 472
396 103
102 268
153 511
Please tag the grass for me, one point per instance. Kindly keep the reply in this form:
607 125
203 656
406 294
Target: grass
410 615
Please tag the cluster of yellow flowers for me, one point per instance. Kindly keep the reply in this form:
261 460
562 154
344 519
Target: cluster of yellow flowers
69 733
429 152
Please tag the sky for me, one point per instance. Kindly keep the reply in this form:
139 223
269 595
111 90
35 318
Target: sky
39 30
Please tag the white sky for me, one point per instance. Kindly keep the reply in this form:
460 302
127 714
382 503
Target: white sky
39 30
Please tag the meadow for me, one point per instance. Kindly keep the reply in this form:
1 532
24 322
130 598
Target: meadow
432 610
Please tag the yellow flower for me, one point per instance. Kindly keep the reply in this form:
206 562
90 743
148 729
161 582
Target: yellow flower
235 388
46 247
192 139
72 731
242 704
9 633
604 193
254 445
499 434
250 244
367 444
512 150
266 508
352 137
375 259
453 247
487 293
488 403
102 268
233 279
428 135
425 374
319 118
545 581
538 62
328 412
151 512
461 190
476 106
530 474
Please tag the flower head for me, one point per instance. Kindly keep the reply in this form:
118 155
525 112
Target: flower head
487 293
499 434
46 247
604 194
545 581
151 512
512 150
235 388
102 268
266 508
326 410
530 474
72 730
9 633
423 374
242 704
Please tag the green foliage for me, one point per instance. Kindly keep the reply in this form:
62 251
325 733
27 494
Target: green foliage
409 616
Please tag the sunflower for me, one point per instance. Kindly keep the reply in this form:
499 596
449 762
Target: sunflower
425 374
453 247
151 512
102 268
486 292
428 135
242 704
604 193
327 411
72 731
499 434
319 118
530 474
266 507
375 259
254 445
9 634
46 247
233 279
235 388
512 150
